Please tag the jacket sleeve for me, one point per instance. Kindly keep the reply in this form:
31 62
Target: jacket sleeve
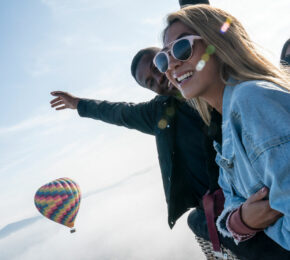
274 167
141 117
267 141
232 202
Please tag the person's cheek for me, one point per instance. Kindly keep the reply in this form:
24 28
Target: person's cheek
171 80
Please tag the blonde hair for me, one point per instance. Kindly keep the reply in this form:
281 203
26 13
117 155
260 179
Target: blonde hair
236 53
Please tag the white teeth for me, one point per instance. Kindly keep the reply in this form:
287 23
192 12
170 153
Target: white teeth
184 76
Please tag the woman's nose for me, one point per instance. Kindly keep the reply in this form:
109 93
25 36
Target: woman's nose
173 63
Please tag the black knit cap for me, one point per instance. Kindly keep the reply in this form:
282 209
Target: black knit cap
285 59
138 56
192 2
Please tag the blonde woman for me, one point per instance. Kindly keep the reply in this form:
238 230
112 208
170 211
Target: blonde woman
253 97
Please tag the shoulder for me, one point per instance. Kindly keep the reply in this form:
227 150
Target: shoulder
161 99
155 103
258 94
155 106
162 102
250 90
260 111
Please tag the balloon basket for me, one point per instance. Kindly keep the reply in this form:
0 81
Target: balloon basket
72 230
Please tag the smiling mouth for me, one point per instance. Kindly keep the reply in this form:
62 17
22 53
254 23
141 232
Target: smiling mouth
183 78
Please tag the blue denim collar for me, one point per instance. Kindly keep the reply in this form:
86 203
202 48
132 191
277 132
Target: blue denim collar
228 91
227 150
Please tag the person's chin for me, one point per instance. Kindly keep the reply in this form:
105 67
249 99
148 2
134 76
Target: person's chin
190 90
188 94
185 95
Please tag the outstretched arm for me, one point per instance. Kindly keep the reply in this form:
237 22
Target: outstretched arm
141 116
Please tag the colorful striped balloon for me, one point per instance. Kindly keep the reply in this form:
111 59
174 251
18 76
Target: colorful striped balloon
59 201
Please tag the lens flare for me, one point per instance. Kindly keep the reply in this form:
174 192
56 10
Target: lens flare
210 48
205 57
226 25
162 123
200 65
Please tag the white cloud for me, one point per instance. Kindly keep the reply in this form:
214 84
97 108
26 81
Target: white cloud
126 223
65 6
263 20
153 21
34 122
17 160
40 68
94 154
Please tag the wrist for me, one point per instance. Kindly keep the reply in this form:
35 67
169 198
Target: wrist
237 227
76 102
245 225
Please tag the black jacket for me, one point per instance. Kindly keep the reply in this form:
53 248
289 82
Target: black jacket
156 117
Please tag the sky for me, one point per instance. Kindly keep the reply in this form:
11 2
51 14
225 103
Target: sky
85 47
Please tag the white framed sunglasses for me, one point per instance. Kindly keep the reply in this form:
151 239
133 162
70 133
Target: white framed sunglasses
180 49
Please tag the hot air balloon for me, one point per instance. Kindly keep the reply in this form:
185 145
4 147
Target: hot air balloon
59 200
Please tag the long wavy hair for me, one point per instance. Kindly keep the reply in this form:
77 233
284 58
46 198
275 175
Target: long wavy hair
236 53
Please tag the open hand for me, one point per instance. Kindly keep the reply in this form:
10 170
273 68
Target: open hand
257 213
64 100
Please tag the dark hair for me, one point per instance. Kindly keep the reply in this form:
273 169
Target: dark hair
147 51
282 58
192 2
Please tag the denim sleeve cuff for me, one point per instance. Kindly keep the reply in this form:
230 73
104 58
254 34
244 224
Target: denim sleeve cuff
238 228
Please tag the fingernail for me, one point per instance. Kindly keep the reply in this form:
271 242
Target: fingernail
263 189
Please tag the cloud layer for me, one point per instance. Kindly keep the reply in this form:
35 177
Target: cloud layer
124 222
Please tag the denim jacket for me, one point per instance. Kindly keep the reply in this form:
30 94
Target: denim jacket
255 151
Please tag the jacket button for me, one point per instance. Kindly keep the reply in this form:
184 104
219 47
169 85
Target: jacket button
230 165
